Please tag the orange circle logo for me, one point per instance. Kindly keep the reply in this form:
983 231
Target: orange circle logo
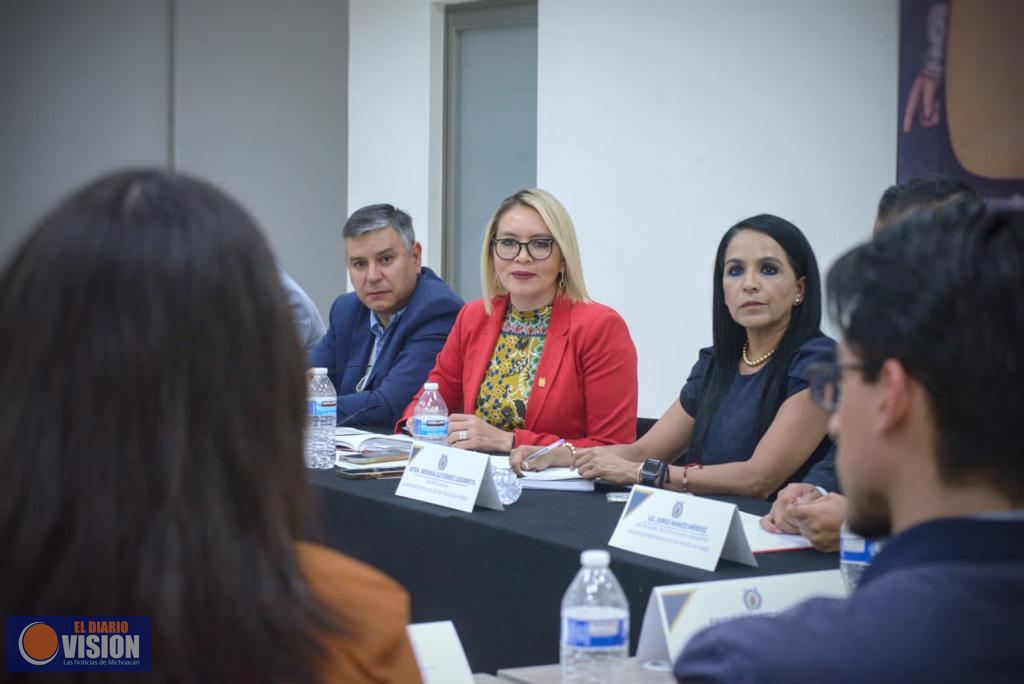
38 643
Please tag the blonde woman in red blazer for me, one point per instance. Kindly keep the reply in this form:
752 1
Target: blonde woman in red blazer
583 387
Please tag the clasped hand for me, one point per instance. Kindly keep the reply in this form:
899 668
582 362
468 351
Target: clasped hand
801 509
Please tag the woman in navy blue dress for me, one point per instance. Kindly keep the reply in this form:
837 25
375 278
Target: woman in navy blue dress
744 422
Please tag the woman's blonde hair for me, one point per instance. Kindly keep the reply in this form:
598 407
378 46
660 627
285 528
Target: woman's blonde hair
556 218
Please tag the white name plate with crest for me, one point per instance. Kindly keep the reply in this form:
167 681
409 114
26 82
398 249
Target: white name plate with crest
681 528
675 613
454 478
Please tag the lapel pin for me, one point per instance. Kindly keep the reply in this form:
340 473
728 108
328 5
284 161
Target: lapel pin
541 382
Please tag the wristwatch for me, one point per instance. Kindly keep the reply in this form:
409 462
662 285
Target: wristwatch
652 473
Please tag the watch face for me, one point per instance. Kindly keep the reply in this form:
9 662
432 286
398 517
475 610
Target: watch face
650 471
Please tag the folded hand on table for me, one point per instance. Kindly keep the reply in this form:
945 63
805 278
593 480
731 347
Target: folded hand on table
777 520
820 519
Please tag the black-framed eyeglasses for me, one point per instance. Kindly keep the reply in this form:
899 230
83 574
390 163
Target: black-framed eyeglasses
508 249
825 378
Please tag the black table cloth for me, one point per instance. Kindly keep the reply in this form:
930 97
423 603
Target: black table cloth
500 575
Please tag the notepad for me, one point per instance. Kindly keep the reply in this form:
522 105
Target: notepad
574 484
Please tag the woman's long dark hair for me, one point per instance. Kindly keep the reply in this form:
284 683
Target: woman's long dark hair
151 433
729 336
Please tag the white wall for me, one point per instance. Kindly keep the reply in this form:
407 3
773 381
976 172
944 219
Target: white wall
660 124
394 111
82 90
257 104
261 110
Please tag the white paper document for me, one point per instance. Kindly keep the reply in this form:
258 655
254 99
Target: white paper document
439 653
675 613
358 440
454 478
681 528
762 541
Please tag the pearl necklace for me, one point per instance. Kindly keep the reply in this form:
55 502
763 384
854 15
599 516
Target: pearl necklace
758 361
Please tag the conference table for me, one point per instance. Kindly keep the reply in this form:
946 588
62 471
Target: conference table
500 575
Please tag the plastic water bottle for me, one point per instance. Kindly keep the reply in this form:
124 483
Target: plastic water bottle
855 555
595 624
430 418
323 415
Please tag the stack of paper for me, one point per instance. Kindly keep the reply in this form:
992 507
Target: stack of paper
557 478
362 455
356 446
368 471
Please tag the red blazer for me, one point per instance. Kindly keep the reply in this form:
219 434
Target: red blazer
585 388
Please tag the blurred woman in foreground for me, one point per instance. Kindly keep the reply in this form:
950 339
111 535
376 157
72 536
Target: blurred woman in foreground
151 445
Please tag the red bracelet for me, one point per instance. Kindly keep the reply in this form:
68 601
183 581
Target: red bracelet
698 466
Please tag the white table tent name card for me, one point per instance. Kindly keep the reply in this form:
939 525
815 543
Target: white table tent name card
439 653
454 478
681 528
675 613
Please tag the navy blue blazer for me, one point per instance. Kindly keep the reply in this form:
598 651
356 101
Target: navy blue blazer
411 344
940 603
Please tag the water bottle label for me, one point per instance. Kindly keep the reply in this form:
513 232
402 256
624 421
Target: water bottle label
430 427
323 406
857 550
594 633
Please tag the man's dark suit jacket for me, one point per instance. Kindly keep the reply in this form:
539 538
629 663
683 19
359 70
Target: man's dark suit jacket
940 603
410 345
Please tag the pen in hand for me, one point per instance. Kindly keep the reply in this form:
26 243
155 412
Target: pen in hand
540 452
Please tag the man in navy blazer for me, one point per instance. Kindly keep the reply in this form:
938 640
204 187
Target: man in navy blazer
816 507
383 337
929 427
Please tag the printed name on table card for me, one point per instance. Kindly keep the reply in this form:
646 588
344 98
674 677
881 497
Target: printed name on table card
681 528
454 478
675 613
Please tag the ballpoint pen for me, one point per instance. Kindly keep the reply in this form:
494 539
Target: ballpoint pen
540 452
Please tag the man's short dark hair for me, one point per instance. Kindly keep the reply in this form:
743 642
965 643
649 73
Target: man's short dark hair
376 217
942 291
921 193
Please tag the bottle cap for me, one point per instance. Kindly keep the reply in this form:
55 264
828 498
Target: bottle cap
595 558
430 386
319 371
